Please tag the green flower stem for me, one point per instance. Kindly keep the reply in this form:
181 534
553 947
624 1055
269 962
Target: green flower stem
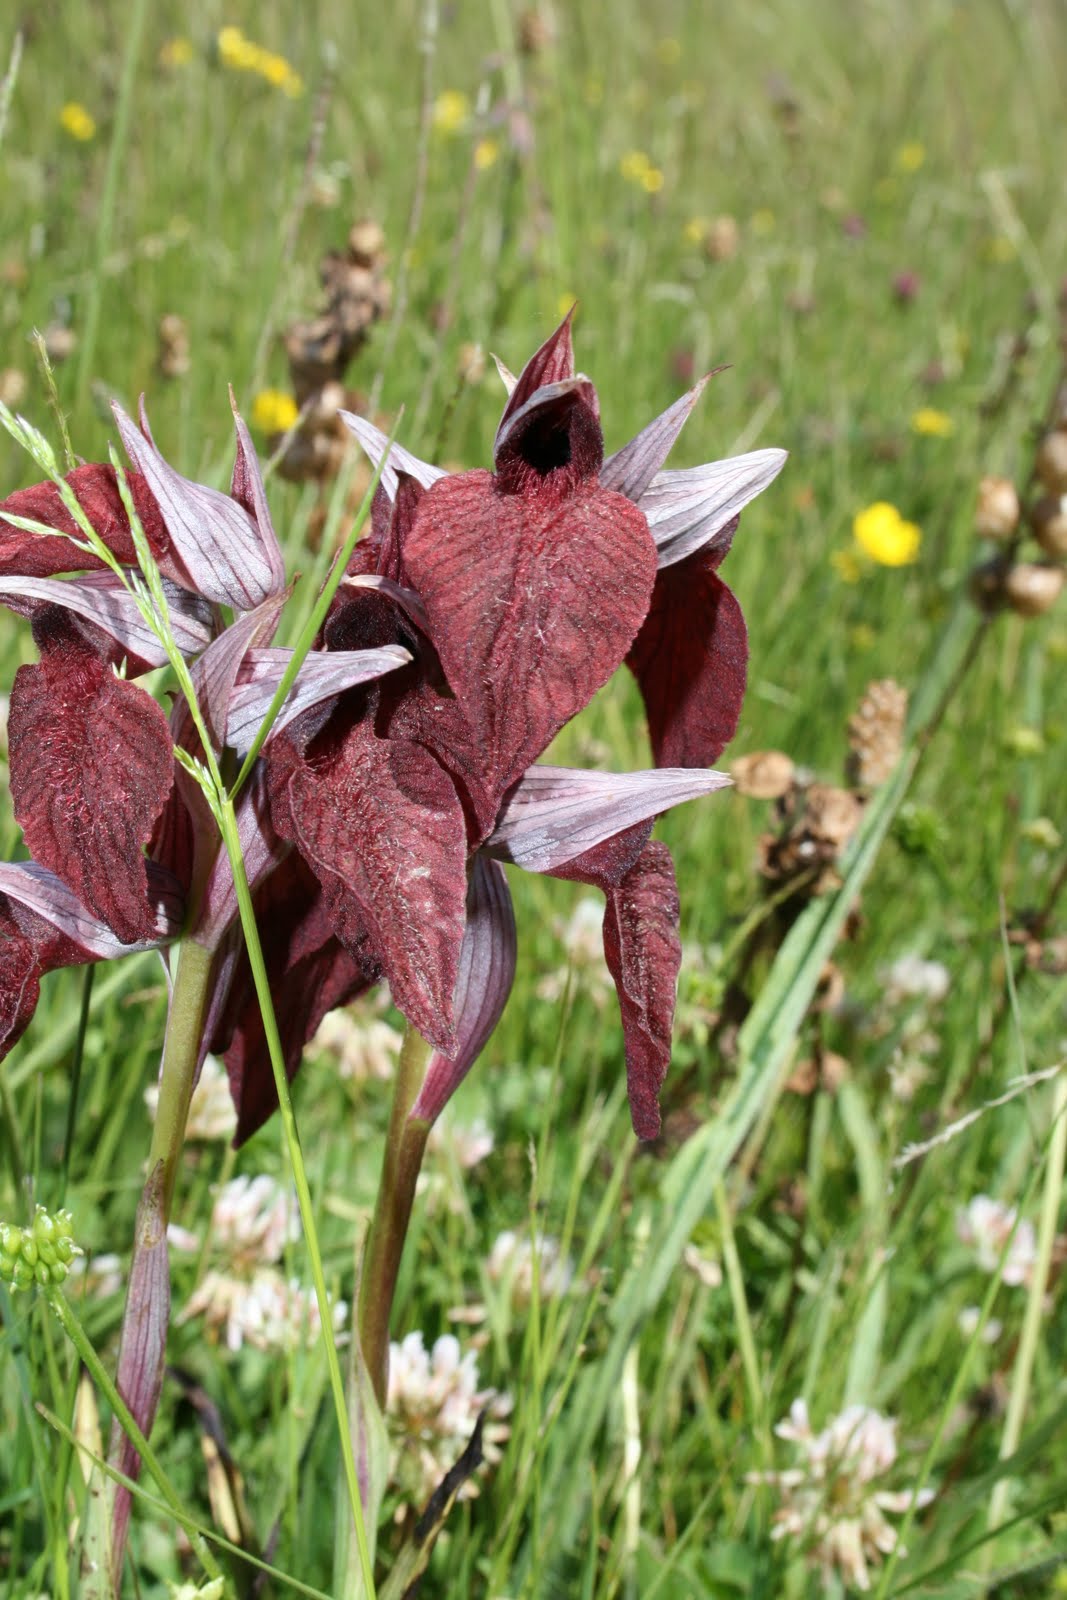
404 1148
231 839
98 1372
185 1027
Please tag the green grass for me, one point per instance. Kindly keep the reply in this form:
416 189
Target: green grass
851 1272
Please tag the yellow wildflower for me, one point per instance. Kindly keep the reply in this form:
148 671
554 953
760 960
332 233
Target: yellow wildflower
911 156
695 229
232 46
274 411
451 111
763 221
75 120
862 636
846 564
932 423
668 52
176 52
1000 248
486 152
634 165
652 180
274 68
882 533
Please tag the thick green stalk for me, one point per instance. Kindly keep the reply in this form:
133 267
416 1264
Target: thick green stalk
181 1050
404 1148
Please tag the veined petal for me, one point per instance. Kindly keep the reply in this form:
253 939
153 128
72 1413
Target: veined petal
217 541
102 599
323 676
40 555
405 598
216 673
630 470
690 509
554 814
91 769
690 660
374 442
382 827
486 974
532 602
644 954
551 363
32 886
246 487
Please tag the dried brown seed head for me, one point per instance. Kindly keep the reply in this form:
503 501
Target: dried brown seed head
763 775
876 733
1050 463
997 514
1048 518
1034 587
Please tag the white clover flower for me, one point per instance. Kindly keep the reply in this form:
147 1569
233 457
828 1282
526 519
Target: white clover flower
511 1265
363 1046
968 1320
468 1144
985 1225
265 1311
705 1266
432 1406
252 1221
911 977
826 1498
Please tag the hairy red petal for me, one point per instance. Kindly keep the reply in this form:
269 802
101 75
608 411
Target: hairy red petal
690 660
91 769
644 953
40 555
532 604
310 974
382 827
19 981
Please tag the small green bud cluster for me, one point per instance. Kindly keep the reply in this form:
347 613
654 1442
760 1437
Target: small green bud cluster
41 1253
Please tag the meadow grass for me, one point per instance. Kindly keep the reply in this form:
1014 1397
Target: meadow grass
645 1396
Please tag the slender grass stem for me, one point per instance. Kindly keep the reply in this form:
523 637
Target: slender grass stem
231 840
87 1354
134 24
404 1148
1035 1304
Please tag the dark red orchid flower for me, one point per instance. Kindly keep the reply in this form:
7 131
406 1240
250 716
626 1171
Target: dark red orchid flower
517 594
118 832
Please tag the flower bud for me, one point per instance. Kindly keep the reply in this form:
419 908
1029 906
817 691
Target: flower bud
1051 461
39 1254
366 241
1048 518
997 514
1033 588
